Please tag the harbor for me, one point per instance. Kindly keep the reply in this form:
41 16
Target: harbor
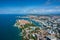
39 27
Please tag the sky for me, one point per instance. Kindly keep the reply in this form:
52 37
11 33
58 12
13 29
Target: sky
29 6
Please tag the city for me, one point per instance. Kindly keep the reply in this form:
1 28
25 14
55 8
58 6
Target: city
39 27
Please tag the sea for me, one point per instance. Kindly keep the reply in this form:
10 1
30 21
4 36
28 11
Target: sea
7 29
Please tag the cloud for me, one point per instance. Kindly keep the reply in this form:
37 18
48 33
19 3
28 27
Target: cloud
57 7
28 10
48 2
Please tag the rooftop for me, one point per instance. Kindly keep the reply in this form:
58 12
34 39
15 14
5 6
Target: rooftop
23 22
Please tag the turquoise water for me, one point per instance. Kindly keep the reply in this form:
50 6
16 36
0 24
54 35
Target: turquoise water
7 30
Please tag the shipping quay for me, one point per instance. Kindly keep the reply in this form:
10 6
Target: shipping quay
39 27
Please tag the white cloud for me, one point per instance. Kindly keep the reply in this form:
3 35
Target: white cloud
28 10
48 2
58 7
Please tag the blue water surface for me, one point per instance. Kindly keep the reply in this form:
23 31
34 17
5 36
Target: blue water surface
7 30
